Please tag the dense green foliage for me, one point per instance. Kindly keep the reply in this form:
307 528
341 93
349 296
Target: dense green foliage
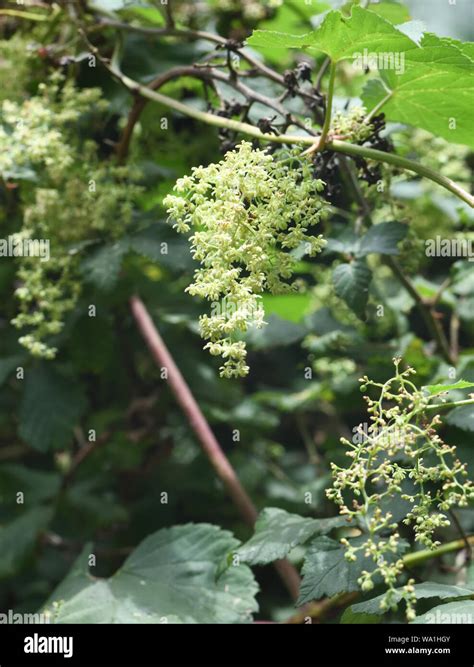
261 185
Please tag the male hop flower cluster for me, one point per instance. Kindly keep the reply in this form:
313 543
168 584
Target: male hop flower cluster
401 449
351 123
246 213
42 149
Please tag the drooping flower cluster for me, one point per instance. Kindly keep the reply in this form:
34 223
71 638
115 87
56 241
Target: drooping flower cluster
246 213
32 132
400 448
41 151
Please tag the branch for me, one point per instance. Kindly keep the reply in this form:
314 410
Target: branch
160 32
123 146
201 428
245 128
194 35
431 322
452 404
318 610
205 116
250 130
140 103
220 42
205 74
419 557
320 145
403 163
29 16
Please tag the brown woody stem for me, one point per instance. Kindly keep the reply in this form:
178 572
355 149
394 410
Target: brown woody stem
206 437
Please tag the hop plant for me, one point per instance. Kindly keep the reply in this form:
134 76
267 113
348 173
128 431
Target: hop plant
400 444
246 212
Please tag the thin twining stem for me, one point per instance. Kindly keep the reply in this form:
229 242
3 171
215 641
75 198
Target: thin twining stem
320 145
334 145
418 557
450 405
204 434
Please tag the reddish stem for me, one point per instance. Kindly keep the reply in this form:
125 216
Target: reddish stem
201 428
